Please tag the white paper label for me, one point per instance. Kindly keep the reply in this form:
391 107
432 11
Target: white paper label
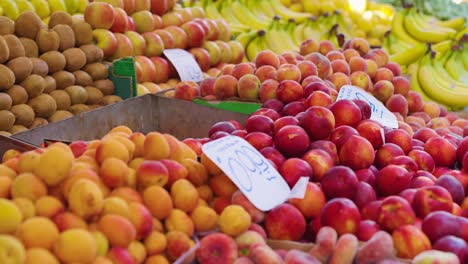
251 172
379 112
185 64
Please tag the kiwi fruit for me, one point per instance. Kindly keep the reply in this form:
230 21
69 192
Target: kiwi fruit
97 70
14 46
31 50
49 84
4 51
39 121
93 53
66 35
83 33
44 105
18 94
105 86
15 129
47 40
79 108
94 95
64 79
82 78
7 120
27 25
7 77
40 67
60 18
110 99
7 26
55 60
62 99
78 94
22 67
5 101
75 58
24 114
34 85
59 116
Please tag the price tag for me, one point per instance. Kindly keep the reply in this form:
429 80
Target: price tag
379 112
251 172
186 66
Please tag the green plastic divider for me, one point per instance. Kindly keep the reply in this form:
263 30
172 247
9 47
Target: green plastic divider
233 106
122 74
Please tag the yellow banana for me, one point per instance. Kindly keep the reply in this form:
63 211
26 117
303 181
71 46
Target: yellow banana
285 13
256 10
440 89
72 6
410 55
464 58
246 17
266 8
41 7
415 85
1 11
438 65
226 12
246 37
457 23
398 27
456 69
424 31
211 11
256 45
10 9
442 47
57 5
24 5
82 6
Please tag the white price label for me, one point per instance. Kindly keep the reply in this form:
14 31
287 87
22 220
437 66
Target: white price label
251 172
186 66
379 112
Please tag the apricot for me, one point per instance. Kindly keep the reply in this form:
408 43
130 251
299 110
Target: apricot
114 172
234 220
28 185
10 216
7 171
75 245
155 243
137 251
116 206
102 244
210 166
175 148
157 259
205 192
184 195
49 206
54 164
12 250
9 154
38 232
102 260
222 185
138 140
196 171
204 218
141 218
85 199
128 194
177 244
112 147
40 255
156 146
68 220
5 186
180 221
28 161
134 163
108 225
121 129
26 207
158 201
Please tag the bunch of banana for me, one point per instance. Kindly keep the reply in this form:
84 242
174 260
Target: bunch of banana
13 8
411 30
442 76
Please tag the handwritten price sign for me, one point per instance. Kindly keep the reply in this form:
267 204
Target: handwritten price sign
251 172
379 112
185 65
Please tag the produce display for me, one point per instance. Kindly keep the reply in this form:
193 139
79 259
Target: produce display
49 72
359 137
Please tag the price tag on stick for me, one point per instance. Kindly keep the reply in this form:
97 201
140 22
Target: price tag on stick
252 173
379 112
186 66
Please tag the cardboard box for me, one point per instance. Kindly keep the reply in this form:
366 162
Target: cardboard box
143 114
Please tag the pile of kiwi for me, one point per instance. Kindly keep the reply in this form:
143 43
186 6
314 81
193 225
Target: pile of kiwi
49 72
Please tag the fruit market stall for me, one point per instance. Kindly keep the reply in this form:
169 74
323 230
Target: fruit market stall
342 135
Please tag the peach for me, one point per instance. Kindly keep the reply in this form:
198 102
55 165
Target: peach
383 90
204 219
307 69
268 89
248 86
324 243
359 44
49 206
383 74
155 243
266 57
345 249
180 221
158 201
409 241
357 64
266 72
324 68
68 220
378 248
312 203
357 159
362 80
442 151
186 90
177 244
308 46
85 199
395 212
225 87
288 72
27 185
197 173
54 165
67 250
397 103
242 69
435 256
401 84
285 222
431 198
371 67
339 79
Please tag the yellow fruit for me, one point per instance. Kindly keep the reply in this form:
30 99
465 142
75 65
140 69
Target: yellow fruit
72 6
24 5
101 242
137 250
82 6
11 250
141 90
85 198
40 255
28 161
54 165
57 5
10 9
38 227
234 220
26 207
41 7
117 206
10 217
75 245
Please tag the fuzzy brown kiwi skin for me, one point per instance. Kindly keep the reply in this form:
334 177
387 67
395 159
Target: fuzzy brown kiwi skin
97 70
7 78
7 26
83 33
4 50
60 18
75 58
64 79
27 25
83 78
31 49
22 67
40 67
14 46
55 60
93 53
66 36
47 40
